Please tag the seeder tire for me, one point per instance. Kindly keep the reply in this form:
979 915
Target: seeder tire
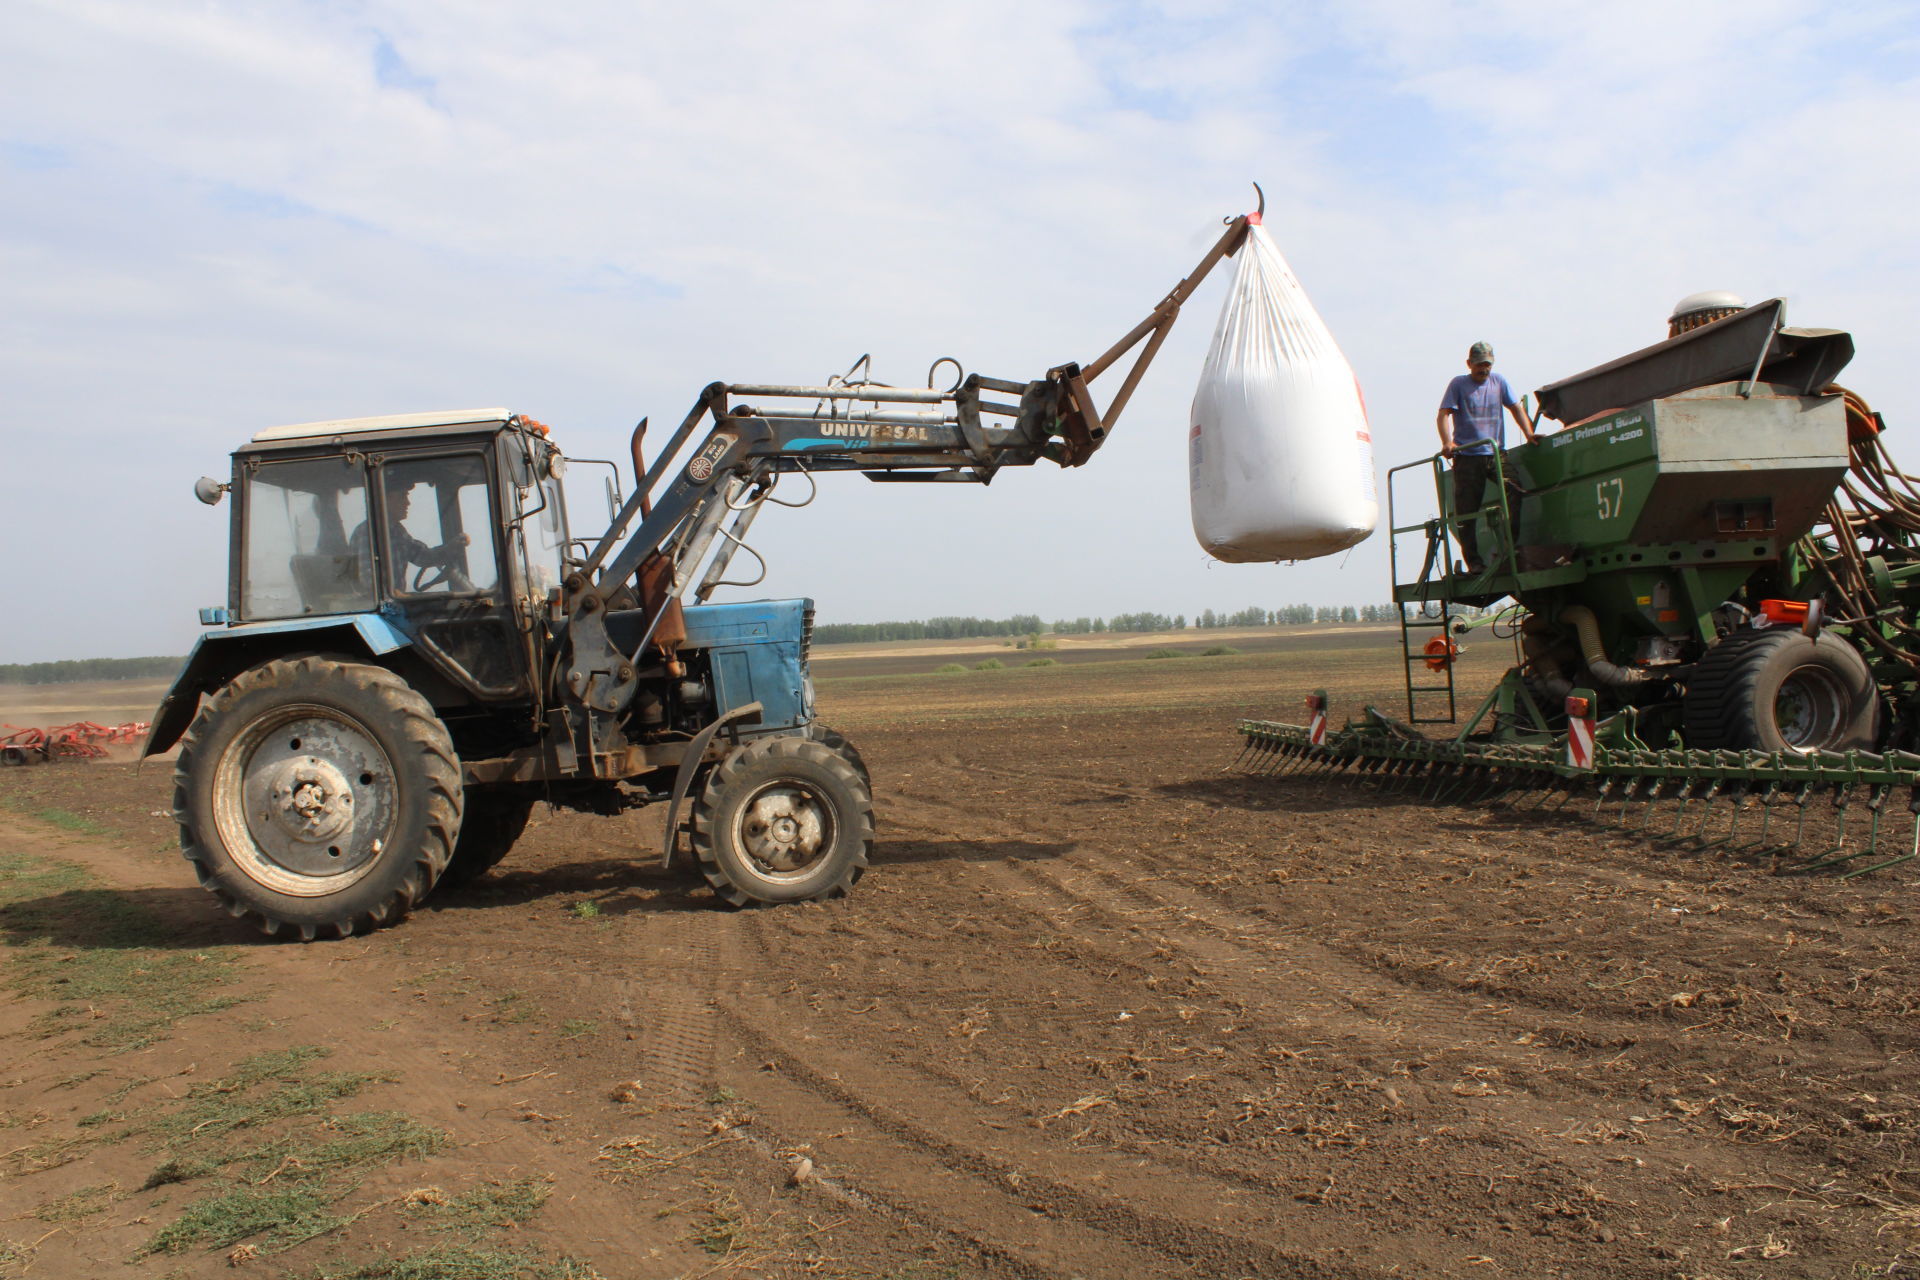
489 828
1780 690
782 819
317 797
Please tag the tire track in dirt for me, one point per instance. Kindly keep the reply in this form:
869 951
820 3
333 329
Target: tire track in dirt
1336 999
1655 880
1367 987
904 1123
1239 951
673 1005
923 1160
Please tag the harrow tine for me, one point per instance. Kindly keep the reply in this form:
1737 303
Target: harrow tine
1876 802
1738 794
1652 799
1569 788
1629 787
1800 799
1653 807
1539 792
1766 819
1508 780
1842 796
1706 809
1606 788
1529 785
1457 781
1913 848
1680 813
1246 749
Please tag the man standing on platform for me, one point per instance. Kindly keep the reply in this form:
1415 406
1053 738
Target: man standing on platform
1471 430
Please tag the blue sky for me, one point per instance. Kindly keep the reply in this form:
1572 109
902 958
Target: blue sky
216 217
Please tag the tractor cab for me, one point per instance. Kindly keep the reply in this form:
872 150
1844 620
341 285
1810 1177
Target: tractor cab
448 527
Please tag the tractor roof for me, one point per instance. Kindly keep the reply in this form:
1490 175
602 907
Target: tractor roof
390 422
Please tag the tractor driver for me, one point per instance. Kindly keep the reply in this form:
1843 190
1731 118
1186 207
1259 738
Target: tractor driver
430 565
1471 430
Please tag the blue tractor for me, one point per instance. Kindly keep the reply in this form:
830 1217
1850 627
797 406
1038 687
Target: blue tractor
415 649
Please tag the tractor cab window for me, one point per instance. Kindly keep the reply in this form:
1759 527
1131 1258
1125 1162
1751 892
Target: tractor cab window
300 558
439 526
545 531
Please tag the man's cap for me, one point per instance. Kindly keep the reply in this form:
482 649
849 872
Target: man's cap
1480 351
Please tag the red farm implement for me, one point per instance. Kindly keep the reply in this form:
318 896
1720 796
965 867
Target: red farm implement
81 740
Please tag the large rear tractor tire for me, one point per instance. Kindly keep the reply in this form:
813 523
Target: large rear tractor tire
782 819
1780 690
317 797
489 828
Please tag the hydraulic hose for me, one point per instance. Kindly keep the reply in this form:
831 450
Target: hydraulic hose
1587 627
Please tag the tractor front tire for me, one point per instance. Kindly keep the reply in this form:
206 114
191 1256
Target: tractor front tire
317 797
835 740
782 819
1780 690
493 821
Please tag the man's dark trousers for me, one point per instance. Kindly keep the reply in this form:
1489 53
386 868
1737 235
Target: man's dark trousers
1472 477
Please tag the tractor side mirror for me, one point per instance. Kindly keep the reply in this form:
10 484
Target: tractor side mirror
209 490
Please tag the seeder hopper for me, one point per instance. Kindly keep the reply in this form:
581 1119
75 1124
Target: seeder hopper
1709 579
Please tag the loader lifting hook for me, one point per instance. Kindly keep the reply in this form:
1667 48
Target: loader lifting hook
1259 213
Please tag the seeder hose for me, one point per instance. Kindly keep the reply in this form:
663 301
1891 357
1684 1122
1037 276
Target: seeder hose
1587 627
1875 513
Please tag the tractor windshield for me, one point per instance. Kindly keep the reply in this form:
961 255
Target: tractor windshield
300 557
440 526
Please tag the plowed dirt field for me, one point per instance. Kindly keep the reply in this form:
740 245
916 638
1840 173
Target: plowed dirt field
1101 1008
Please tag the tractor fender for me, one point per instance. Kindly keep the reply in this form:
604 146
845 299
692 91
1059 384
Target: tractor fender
218 656
696 750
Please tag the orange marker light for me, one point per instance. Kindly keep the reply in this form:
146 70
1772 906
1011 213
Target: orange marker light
1440 651
1787 613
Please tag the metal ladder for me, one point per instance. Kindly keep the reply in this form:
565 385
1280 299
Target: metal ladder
1436 552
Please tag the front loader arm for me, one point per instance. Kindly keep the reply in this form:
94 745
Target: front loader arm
760 432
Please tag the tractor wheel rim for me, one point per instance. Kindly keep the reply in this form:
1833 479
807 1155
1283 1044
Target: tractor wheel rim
305 800
785 828
1809 709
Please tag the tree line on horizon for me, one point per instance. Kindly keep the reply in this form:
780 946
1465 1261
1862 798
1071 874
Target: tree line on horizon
967 628
74 670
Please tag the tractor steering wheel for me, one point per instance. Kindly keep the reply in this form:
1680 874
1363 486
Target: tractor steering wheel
428 576
423 583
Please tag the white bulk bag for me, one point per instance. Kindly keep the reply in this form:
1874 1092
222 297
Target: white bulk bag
1280 460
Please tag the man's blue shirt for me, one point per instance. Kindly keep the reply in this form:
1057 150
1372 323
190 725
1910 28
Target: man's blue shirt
1478 418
